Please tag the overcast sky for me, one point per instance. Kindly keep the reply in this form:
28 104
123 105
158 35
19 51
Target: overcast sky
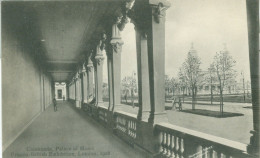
208 24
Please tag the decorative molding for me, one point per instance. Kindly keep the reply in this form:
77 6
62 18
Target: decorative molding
83 68
117 46
129 4
89 68
102 43
123 22
159 12
99 59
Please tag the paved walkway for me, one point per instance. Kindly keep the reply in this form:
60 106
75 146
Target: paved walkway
68 133
233 128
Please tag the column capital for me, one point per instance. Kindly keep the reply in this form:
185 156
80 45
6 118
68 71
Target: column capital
159 7
89 68
165 3
99 59
117 45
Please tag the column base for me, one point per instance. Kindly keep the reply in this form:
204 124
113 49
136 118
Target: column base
158 117
117 107
254 146
143 116
78 103
99 104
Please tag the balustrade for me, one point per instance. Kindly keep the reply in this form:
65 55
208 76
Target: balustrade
102 114
180 142
126 124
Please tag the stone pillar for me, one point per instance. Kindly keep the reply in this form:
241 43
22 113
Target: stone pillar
253 38
143 74
90 79
85 87
77 84
156 58
82 88
99 75
67 92
95 81
110 83
115 54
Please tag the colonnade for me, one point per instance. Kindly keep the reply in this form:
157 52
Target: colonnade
149 20
150 43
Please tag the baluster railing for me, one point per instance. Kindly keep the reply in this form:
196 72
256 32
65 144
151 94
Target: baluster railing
198 144
126 124
102 114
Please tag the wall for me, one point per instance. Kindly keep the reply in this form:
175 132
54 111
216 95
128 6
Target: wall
21 88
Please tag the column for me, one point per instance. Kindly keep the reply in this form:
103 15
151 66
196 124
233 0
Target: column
143 74
95 81
90 78
110 83
77 91
99 74
253 38
114 51
156 58
68 91
85 87
82 87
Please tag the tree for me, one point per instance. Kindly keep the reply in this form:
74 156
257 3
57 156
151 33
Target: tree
190 73
182 82
210 78
129 85
174 83
223 66
167 86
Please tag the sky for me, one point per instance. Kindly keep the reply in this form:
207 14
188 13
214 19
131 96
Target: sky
208 24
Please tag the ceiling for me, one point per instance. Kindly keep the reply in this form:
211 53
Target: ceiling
60 31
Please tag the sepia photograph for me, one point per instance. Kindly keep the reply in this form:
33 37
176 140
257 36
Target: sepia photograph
130 78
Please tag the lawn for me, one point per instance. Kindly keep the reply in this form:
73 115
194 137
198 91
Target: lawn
212 113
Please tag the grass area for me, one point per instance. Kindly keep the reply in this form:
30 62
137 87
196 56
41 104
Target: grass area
212 113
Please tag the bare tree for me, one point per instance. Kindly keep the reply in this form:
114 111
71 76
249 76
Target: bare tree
210 78
174 83
191 73
223 66
167 86
129 85
182 82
